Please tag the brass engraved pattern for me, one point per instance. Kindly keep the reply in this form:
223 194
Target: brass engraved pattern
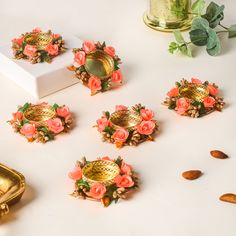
196 92
39 114
101 171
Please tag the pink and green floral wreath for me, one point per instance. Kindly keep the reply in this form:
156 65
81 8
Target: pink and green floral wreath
23 50
41 129
124 182
209 100
95 83
143 130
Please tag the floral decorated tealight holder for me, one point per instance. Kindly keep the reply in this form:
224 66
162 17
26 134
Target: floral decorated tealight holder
37 46
41 122
97 66
104 180
194 99
127 126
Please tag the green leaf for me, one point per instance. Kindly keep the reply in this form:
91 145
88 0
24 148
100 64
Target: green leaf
185 50
24 122
216 49
232 31
47 133
107 114
45 56
105 85
202 110
83 183
55 106
198 7
200 23
173 46
24 108
116 65
82 69
198 37
109 130
179 37
172 106
214 14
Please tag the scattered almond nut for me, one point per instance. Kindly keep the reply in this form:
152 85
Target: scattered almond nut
218 154
228 197
192 174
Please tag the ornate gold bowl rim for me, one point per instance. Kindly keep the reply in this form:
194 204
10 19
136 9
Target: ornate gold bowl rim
196 92
100 171
39 114
107 62
38 39
14 190
125 119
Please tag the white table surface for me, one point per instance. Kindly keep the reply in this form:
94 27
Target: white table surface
166 204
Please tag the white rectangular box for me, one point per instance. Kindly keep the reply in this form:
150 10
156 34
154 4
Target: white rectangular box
40 79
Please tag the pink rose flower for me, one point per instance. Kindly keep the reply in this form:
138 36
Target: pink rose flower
110 51
18 41
75 174
79 59
121 108
55 125
63 111
105 158
125 168
212 89
88 46
120 135
97 190
146 127
147 114
209 102
124 181
52 49
28 130
17 116
94 84
55 36
102 123
30 50
196 81
182 105
117 76
37 30
173 92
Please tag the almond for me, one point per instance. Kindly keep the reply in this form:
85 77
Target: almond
218 154
228 197
192 174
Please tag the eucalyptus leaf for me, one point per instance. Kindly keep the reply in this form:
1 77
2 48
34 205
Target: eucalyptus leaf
198 7
179 37
200 23
199 37
214 14
232 31
212 39
215 50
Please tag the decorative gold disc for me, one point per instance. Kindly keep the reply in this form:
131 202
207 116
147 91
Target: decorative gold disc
125 119
196 92
39 40
101 171
39 114
99 63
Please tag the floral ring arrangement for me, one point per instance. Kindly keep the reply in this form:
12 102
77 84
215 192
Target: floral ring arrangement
127 126
37 46
104 179
41 122
195 98
97 66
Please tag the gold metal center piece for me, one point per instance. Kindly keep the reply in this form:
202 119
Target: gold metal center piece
101 171
12 187
99 63
39 40
125 119
196 92
39 114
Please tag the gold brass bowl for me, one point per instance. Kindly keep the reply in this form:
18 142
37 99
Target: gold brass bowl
125 119
12 187
39 40
39 114
196 92
99 63
101 171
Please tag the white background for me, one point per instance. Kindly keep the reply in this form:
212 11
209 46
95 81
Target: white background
166 205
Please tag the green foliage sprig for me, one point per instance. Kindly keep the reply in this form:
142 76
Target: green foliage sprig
204 30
